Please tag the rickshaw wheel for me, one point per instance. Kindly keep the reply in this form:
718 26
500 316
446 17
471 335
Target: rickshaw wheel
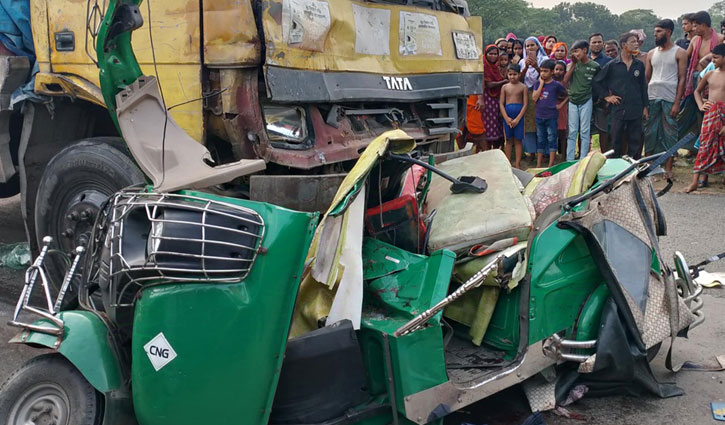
49 390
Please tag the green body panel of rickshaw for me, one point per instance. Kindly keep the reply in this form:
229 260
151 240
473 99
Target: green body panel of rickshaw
229 338
85 343
566 293
400 285
117 63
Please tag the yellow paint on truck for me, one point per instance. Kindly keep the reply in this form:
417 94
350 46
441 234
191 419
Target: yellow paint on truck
345 38
176 36
341 47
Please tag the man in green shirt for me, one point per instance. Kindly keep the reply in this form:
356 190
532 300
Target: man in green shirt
579 77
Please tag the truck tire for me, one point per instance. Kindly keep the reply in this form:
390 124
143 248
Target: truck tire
75 184
49 389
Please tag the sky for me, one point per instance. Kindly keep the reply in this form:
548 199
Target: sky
662 8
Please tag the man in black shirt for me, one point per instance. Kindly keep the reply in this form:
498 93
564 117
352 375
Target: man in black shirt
687 31
622 84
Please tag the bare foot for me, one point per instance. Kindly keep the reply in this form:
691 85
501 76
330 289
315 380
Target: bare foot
704 181
692 187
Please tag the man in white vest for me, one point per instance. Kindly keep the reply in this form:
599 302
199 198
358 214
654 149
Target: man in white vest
666 73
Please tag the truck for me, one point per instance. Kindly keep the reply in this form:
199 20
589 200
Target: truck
303 85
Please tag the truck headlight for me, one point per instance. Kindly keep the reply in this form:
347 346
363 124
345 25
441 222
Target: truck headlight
285 124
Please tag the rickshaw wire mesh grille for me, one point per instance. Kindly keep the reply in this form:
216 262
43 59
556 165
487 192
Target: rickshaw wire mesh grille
204 266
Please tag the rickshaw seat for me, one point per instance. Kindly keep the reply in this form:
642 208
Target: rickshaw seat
467 219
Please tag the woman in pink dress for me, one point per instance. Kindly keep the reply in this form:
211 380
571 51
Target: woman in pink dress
492 81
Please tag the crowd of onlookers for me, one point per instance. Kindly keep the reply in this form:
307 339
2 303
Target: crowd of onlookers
543 96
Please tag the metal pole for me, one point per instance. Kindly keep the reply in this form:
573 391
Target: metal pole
391 378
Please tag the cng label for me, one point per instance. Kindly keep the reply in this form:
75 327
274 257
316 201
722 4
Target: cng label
159 351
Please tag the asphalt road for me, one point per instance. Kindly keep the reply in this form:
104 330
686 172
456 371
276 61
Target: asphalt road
696 228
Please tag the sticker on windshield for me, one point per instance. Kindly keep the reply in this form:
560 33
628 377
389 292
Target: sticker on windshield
159 351
465 43
305 23
419 34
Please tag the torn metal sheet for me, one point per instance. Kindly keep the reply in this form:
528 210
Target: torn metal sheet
348 300
372 30
166 154
302 193
73 86
305 24
419 34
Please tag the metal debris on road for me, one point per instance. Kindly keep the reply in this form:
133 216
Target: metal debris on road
15 255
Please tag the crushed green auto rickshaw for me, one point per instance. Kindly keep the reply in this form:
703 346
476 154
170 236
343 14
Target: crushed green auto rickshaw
430 283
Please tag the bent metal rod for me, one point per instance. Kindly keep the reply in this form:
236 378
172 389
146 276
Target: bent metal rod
475 281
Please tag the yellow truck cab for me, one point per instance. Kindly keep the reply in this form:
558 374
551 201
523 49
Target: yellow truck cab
304 85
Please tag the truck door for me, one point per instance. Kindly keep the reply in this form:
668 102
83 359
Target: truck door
176 29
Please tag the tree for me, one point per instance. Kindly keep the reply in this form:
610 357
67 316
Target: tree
568 21
499 16
717 13
640 19
717 9
594 18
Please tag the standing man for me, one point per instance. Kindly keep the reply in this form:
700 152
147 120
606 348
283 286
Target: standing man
665 70
687 33
599 123
623 85
581 75
611 48
706 38
596 45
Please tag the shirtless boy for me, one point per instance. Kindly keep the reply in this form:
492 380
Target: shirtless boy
513 103
711 155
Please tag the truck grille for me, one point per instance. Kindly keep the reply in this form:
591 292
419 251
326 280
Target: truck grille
442 117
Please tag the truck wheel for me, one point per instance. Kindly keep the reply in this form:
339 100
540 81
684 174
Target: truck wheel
74 186
49 390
